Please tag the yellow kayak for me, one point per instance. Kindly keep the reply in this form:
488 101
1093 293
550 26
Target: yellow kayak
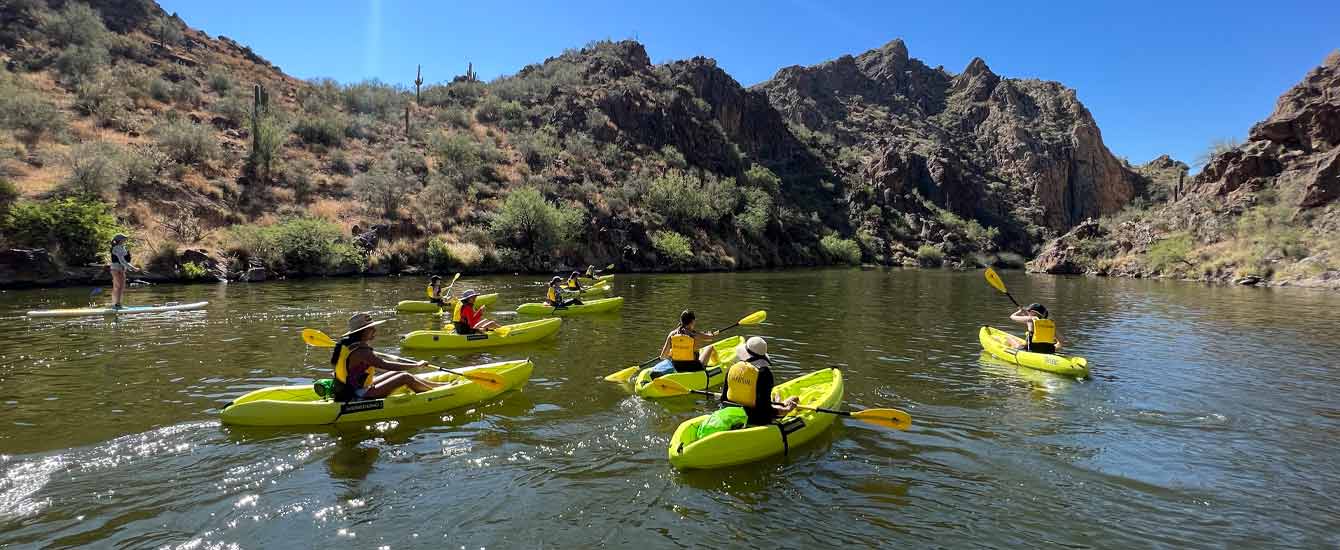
587 306
424 306
299 405
818 389
520 333
1003 346
700 380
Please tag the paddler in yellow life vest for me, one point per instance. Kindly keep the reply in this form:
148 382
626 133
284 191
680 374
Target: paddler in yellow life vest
749 384
573 283
1042 334
435 291
590 272
554 294
682 345
356 365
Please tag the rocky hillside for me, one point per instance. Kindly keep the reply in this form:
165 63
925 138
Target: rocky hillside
116 116
1264 211
1021 156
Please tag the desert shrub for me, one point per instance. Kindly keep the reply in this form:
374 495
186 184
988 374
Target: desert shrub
489 110
235 108
397 255
1170 253
757 212
762 178
930 256
161 90
361 127
101 98
372 97
167 31
452 256
97 171
325 128
186 92
28 113
339 163
76 24
193 271
303 246
983 238
687 198
187 142
537 149
384 189
77 228
526 220
76 64
8 194
841 250
456 116
672 246
512 115
459 156
219 82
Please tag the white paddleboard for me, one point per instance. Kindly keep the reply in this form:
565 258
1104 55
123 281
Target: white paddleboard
81 312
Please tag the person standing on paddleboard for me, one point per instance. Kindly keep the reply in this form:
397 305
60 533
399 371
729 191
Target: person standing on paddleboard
1042 334
356 365
120 263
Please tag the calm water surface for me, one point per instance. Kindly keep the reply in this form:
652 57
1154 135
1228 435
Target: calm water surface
1212 420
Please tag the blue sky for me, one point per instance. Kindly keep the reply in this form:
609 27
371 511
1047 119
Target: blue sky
1159 77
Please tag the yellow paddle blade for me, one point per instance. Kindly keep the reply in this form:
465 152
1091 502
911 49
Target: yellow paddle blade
994 280
623 375
889 418
317 338
502 332
488 380
669 388
755 318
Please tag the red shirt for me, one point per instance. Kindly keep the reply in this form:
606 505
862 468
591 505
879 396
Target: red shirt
471 315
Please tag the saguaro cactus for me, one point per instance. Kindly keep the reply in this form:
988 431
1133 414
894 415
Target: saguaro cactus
418 81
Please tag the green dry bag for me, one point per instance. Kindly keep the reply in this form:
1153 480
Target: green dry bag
729 418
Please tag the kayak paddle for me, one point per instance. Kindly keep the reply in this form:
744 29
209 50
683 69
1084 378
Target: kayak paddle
628 373
889 418
488 380
994 280
447 294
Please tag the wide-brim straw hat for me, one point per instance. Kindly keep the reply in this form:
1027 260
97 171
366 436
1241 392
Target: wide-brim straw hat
361 321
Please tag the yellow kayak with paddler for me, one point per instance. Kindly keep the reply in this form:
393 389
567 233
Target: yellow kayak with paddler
1004 346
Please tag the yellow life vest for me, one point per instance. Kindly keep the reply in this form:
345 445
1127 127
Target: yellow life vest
431 295
572 284
342 367
456 312
552 296
742 384
1043 332
683 348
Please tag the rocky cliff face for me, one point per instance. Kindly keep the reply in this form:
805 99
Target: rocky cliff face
1009 152
1294 150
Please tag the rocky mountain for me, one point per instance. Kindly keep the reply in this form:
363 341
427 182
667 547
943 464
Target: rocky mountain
1021 155
1264 211
117 116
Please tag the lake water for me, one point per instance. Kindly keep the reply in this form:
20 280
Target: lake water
1211 420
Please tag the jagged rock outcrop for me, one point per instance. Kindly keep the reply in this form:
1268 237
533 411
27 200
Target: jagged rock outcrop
953 138
1294 149
1062 255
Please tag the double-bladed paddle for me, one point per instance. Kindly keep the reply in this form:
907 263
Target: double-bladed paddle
488 380
889 418
628 373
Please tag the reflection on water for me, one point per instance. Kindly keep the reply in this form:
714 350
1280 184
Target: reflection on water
1209 422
